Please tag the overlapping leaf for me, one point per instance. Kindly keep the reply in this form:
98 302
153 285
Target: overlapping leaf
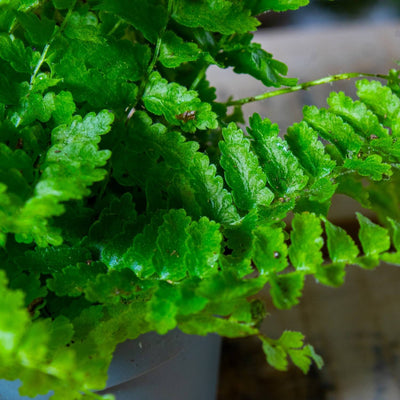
255 61
179 106
242 171
284 173
226 17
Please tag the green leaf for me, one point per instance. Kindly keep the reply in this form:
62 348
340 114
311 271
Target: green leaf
204 247
255 61
70 167
112 287
33 107
224 287
226 17
174 50
290 344
242 170
162 308
331 274
64 108
341 246
73 279
148 17
304 144
180 107
170 257
372 166
396 233
270 250
276 355
16 54
382 101
102 74
218 203
357 114
284 173
204 324
259 6
332 128
13 318
306 242
286 289
208 189
83 26
374 238
63 4
37 31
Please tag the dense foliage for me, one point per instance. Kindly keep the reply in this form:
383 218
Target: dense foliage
131 201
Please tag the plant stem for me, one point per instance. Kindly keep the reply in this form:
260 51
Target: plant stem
154 59
303 86
199 77
44 53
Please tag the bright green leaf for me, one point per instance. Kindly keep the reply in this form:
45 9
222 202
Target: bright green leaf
341 246
284 173
174 50
181 107
331 127
306 242
374 238
270 250
242 170
382 101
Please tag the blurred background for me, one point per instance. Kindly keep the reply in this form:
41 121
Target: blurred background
323 12
356 328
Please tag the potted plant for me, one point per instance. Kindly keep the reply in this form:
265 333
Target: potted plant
131 202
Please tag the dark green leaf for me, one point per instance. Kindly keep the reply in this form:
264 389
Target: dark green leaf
149 17
255 61
16 54
38 31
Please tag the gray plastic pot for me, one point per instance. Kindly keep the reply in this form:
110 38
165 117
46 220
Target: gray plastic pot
174 366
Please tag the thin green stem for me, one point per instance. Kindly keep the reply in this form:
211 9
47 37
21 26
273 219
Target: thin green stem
199 77
46 48
155 55
154 58
115 27
44 53
303 86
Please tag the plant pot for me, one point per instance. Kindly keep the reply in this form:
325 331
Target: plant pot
174 366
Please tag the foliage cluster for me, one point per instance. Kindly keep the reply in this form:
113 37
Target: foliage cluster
130 201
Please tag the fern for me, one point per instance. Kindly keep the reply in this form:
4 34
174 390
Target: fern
131 201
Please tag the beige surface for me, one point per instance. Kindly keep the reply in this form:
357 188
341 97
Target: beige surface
356 328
